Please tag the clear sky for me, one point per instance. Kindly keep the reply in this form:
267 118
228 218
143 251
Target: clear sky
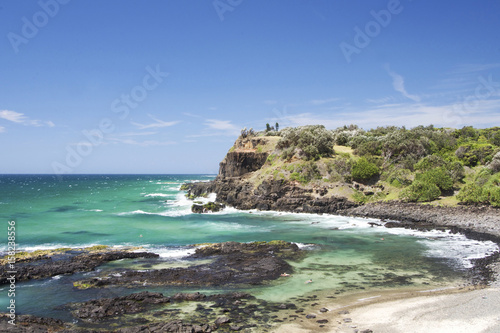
122 86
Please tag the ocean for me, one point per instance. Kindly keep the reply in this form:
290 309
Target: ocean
344 254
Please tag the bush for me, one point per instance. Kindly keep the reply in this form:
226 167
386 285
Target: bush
438 176
420 191
364 170
471 193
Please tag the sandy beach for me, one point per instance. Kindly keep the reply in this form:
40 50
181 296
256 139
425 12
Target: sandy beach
454 310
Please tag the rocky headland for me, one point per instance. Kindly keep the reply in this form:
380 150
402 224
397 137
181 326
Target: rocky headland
250 178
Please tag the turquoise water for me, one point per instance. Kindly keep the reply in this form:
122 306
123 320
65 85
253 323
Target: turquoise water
149 210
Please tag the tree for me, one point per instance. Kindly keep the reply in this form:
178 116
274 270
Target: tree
268 127
277 127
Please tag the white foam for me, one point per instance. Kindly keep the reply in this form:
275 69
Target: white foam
306 247
171 252
157 195
447 245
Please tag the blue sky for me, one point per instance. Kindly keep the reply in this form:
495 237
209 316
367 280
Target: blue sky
123 86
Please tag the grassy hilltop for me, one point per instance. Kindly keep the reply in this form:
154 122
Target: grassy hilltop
423 164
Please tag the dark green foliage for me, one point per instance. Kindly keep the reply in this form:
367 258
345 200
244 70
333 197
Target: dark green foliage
305 172
309 142
399 177
369 148
495 139
456 171
485 189
471 193
420 191
277 127
430 162
364 170
268 127
474 154
466 132
437 176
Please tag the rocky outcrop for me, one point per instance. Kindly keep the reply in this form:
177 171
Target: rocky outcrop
67 262
210 207
278 195
244 157
234 264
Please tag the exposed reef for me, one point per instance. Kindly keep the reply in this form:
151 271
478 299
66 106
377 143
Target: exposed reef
48 263
233 264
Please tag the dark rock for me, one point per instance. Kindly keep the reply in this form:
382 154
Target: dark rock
210 207
235 263
322 321
311 316
68 262
323 310
347 320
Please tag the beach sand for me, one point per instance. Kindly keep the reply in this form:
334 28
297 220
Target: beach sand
446 311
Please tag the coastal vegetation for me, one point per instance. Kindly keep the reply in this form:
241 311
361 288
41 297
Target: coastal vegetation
421 164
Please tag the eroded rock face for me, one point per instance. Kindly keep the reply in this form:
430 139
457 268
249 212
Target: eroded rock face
238 163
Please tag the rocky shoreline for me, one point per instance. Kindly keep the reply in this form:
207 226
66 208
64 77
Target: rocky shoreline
476 222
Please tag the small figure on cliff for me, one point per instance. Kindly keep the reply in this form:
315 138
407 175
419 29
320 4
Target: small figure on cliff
309 281
285 275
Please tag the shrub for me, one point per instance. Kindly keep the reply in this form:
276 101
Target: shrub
471 193
438 176
494 196
420 191
364 170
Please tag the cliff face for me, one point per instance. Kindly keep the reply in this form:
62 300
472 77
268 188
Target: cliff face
236 186
243 158
238 163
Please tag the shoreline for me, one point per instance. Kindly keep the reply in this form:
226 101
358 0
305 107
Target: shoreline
457 309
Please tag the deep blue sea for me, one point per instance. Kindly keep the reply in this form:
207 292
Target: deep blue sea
344 253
